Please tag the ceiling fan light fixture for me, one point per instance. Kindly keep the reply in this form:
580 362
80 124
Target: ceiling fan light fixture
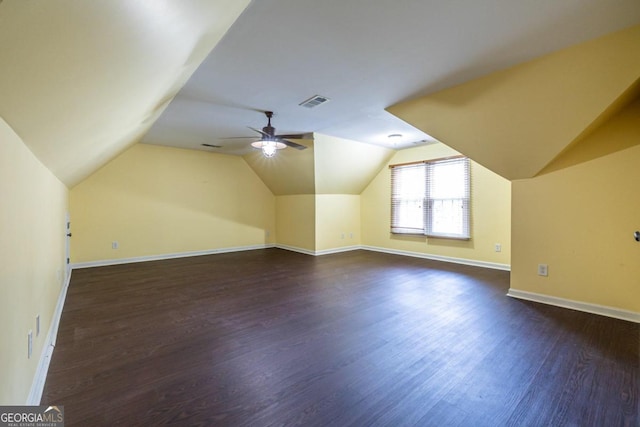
268 147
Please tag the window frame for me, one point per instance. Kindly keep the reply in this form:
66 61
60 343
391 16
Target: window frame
426 228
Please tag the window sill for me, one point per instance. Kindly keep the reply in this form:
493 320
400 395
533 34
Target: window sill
430 236
441 236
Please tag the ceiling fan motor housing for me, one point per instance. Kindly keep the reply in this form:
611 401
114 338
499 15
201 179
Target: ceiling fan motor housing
269 130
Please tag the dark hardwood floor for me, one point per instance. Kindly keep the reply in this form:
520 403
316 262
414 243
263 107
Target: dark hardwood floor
272 337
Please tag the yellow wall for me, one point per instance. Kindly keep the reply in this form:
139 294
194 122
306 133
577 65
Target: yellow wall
32 249
337 221
566 128
580 221
157 200
296 225
490 214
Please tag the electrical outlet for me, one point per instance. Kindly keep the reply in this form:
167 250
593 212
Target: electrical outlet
498 247
543 270
38 325
351 235
29 344
115 245
267 233
342 235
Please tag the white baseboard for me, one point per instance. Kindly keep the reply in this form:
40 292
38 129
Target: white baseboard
106 262
338 250
601 310
39 379
318 253
295 249
475 263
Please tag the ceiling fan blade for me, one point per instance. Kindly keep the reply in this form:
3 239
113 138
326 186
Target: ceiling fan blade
268 134
308 135
260 132
292 144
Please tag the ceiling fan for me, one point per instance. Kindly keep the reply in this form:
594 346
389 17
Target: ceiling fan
269 142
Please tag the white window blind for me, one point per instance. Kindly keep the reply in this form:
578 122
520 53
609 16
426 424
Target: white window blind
408 184
432 198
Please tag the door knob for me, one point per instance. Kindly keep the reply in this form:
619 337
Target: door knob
68 234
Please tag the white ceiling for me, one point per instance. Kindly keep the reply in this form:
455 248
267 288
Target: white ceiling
365 55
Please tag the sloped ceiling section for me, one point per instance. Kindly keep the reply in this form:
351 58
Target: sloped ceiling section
329 166
83 80
517 121
622 120
343 166
289 172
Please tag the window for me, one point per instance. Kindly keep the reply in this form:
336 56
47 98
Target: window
431 198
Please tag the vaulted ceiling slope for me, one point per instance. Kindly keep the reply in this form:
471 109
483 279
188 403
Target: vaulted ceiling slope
80 81
365 55
518 121
329 165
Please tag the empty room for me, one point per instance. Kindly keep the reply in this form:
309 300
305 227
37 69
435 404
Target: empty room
296 212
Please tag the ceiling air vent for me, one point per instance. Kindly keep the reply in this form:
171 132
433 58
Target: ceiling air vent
314 101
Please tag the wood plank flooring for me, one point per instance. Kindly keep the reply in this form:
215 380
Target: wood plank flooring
271 337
